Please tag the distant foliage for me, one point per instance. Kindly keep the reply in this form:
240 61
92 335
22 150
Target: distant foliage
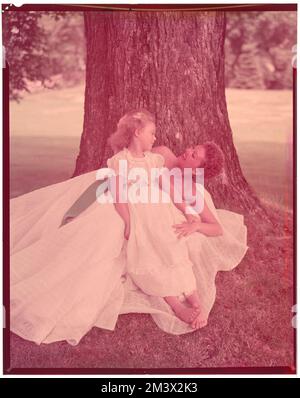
43 49
25 45
259 49
66 46
47 49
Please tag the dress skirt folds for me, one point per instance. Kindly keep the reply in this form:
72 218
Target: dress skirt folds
67 278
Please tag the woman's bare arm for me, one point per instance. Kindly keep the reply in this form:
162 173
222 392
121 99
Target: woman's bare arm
209 225
210 229
169 156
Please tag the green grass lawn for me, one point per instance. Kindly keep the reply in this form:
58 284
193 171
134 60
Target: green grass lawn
268 170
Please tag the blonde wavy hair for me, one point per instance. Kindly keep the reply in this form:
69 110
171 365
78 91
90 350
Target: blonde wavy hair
127 125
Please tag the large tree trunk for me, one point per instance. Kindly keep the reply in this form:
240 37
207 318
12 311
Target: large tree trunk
171 63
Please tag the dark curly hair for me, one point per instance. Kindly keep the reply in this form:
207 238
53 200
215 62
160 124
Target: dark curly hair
214 160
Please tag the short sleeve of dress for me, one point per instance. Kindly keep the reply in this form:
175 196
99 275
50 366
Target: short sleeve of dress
114 162
158 160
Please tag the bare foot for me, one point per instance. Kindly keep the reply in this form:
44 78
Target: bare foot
198 322
194 299
186 314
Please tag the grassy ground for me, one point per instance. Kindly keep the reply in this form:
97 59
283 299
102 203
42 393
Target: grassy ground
251 322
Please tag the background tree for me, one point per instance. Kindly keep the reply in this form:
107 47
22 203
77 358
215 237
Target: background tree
43 47
66 46
248 74
171 63
25 50
272 36
48 48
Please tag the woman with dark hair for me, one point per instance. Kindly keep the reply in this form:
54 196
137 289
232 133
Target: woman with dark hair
208 156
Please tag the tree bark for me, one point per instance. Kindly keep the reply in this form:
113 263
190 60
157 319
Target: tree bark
171 63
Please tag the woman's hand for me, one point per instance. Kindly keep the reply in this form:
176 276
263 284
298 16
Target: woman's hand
127 231
191 218
208 229
186 228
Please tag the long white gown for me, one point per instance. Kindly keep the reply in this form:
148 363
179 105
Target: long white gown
64 280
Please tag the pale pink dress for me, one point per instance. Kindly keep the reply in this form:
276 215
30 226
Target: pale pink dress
66 280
